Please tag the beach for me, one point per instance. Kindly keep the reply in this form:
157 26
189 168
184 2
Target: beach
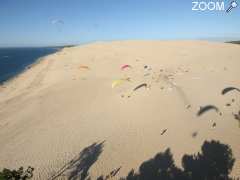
14 61
85 99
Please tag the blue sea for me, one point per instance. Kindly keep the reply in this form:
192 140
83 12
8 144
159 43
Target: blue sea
15 60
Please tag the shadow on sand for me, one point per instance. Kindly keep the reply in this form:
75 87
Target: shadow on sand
79 166
214 162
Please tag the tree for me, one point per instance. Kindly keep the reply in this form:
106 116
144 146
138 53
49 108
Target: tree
19 174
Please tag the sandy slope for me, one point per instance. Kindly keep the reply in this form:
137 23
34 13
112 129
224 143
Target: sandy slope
54 110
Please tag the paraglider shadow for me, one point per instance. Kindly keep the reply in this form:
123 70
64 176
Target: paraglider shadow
207 108
79 166
214 162
229 89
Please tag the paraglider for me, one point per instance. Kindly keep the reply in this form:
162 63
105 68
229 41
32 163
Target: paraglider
194 134
84 67
237 117
140 86
125 67
228 89
214 125
206 108
57 21
228 104
119 81
148 68
163 132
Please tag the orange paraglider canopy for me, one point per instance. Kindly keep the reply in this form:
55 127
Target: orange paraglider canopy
83 67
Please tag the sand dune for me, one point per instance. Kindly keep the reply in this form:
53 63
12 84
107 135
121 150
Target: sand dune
64 108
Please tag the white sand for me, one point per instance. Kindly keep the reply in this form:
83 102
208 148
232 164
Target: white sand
54 110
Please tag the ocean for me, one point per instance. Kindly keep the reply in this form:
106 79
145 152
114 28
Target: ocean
15 60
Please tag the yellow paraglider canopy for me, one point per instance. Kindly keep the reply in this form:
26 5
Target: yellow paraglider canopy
119 81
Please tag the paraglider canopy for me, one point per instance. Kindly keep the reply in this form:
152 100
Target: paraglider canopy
206 109
229 89
57 21
83 67
119 81
125 66
140 86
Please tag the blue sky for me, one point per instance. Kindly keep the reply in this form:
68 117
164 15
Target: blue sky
29 22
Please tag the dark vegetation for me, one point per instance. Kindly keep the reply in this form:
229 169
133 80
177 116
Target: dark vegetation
64 46
214 162
234 42
19 174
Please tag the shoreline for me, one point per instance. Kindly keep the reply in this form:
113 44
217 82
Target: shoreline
26 68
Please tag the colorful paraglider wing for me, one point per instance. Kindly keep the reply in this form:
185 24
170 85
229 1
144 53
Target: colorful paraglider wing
140 86
117 82
206 108
125 66
228 89
120 81
83 67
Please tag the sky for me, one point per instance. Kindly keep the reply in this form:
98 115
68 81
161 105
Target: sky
61 22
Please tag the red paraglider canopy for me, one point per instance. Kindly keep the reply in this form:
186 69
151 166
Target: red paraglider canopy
125 66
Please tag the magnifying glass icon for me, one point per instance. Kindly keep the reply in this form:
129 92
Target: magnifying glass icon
233 5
